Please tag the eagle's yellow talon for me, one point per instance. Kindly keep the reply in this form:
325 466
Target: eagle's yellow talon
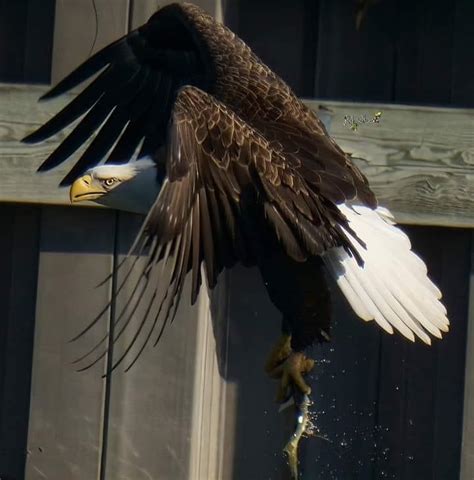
291 371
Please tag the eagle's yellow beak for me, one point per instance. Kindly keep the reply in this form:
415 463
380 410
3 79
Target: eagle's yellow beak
84 189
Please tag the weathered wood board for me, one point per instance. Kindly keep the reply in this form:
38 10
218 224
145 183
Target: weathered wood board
82 28
419 160
156 395
66 410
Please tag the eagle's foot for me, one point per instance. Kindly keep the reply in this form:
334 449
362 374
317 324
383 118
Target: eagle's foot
279 353
291 372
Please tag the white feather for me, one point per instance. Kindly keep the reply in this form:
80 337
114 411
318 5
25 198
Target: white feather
392 287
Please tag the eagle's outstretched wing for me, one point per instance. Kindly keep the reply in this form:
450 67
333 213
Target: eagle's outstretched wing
129 102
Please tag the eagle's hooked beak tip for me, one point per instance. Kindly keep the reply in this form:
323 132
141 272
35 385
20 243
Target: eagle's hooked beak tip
81 189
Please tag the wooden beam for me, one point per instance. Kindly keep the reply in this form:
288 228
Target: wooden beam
20 113
419 160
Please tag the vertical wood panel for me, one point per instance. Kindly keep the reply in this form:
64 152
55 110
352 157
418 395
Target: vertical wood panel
18 269
462 89
66 407
255 433
421 388
75 28
39 41
142 10
467 453
26 32
355 65
12 39
286 42
151 406
345 389
424 52
451 354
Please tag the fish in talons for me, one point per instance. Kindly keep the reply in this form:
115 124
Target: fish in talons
303 427
289 367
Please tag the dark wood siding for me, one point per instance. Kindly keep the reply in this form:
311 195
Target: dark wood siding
19 240
26 40
405 52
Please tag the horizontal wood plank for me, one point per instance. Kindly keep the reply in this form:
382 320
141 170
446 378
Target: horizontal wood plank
419 160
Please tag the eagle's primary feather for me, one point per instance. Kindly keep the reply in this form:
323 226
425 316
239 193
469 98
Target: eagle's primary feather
248 174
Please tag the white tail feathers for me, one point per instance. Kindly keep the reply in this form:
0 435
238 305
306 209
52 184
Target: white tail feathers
392 287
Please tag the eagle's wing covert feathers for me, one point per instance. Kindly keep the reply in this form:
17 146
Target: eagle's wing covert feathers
214 158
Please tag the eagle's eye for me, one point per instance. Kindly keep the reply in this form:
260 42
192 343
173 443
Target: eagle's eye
110 181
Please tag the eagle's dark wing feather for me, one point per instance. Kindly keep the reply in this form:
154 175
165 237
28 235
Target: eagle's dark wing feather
307 145
130 100
214 160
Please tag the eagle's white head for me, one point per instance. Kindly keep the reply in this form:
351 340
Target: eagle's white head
131 186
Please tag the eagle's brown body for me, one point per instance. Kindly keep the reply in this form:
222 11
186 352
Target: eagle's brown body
296 282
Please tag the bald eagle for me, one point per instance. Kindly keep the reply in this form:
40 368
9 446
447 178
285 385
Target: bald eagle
233 168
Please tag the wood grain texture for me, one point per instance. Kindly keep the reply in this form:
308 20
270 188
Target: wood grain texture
418 159
20 113
75 30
